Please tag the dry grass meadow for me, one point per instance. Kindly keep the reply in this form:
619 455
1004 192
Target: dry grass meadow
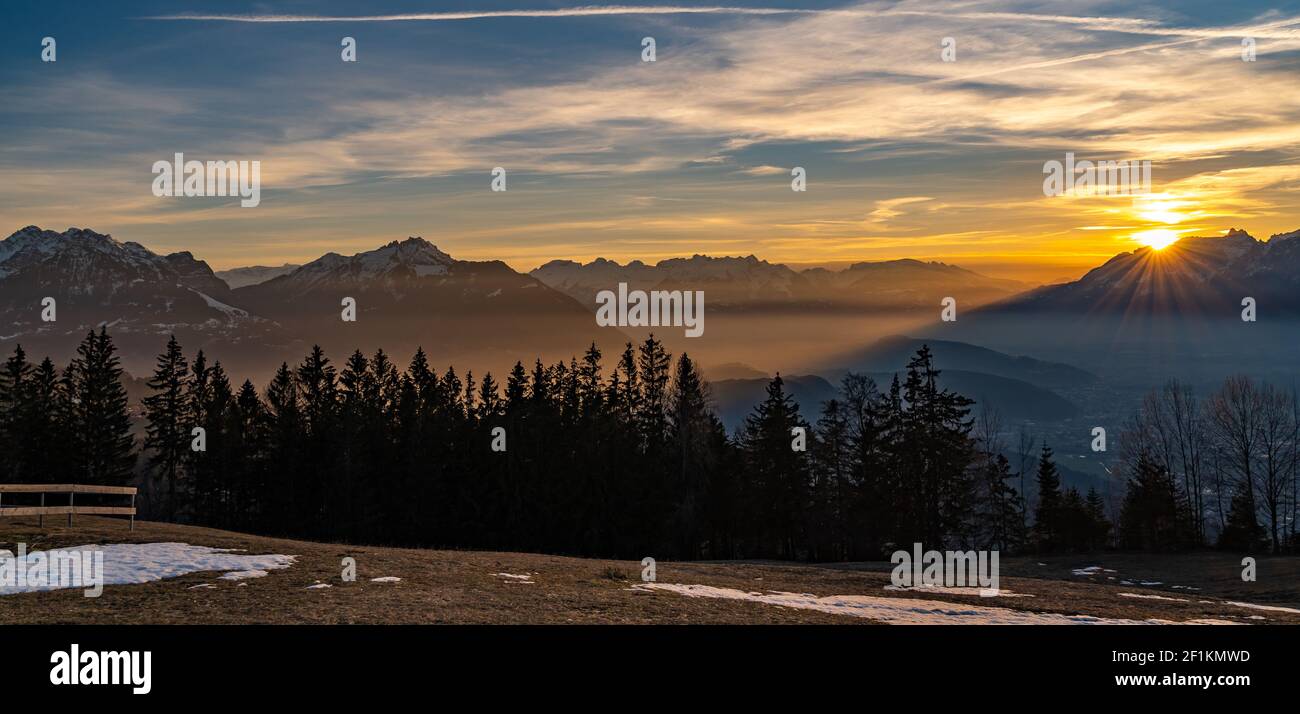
465 587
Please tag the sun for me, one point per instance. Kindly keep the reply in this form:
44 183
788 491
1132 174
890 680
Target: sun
1156 238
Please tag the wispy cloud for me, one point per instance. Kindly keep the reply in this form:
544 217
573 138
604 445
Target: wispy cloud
856 94
765 170
889 208
584 11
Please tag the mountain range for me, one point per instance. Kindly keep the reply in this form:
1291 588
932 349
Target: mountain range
1195 276
485 315
748 283
140 295
408 294
1148 315
479 314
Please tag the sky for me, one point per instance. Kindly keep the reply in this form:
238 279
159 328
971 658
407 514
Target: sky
906 155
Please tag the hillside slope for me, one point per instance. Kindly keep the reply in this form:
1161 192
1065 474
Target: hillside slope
442 586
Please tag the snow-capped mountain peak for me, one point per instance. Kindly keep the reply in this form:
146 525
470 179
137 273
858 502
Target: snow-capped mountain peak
80 253
35 243
416 252
97 280
414 257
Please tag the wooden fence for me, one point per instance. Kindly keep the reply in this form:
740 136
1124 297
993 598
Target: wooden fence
72 508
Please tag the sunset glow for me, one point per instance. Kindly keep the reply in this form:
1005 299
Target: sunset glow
1156 238
906 155
1161 210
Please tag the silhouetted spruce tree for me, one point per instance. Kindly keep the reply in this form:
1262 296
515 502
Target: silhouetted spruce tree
1095 508
14 389
999 506
99 418
165 433
283 454
651 498
506 469
652 410
318 474
218 464
371 488
44 416
249 438
1242 532
609 499
1048 515
198 465
1076 527
479 494
489 399
1150 518
871 511
891 489
625 386
833 488
937 452
359 419
696 440
776 476
590 395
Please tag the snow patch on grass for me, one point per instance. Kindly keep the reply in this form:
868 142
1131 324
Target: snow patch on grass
1090 570
526 579
1274 608
1153 597
944 590
243 575
137 563
903 611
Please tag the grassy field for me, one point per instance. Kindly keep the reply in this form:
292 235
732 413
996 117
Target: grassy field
443 586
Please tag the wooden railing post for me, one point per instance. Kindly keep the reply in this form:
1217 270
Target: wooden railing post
71 510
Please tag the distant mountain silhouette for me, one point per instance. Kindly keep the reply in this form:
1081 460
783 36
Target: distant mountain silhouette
254 274
1195 276
892 353
736 398
1148 315
732 283
1015 400
732 370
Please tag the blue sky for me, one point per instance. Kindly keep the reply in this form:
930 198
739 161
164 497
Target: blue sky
906 155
